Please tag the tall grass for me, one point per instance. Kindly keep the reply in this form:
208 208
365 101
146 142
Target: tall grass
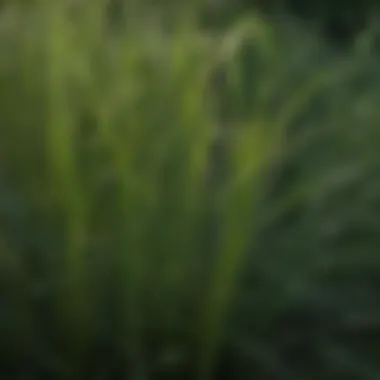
123 127
126 238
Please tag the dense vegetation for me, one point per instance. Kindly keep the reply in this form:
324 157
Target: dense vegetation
184 202
336 19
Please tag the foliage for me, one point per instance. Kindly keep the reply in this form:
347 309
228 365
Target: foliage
336 20
177 204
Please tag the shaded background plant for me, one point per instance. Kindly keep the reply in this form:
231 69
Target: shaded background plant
177 203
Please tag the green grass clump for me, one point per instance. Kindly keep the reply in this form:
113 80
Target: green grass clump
168 198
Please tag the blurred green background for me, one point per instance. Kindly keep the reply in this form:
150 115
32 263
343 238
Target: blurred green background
189 190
